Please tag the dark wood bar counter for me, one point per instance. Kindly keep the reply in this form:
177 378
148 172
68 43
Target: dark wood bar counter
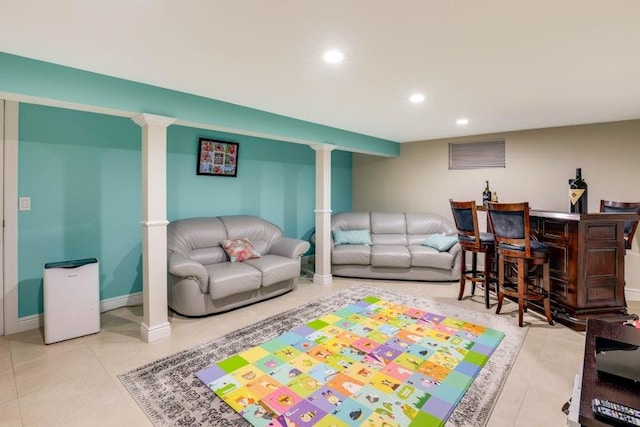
586 263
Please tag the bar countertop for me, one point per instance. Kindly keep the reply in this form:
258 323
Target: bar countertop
567 216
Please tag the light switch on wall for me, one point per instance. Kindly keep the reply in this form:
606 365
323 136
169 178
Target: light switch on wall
24 203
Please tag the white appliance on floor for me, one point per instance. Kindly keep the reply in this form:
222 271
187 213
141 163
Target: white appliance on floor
71 299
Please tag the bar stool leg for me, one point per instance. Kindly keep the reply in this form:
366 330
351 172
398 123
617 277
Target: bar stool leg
522 284
474 271
500 284
487 276
463 274
547 289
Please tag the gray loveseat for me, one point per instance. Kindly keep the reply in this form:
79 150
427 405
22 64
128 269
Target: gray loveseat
396 250
201 278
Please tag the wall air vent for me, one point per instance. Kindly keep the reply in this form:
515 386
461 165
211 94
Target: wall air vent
477 155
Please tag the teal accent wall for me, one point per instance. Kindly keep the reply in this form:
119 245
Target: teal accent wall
83 174
275 181
30 77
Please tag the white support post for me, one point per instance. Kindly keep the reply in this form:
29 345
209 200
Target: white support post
322 274
154 226
10 216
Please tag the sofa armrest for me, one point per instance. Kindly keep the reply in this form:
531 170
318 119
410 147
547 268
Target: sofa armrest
456 253
183 267
290 248
455 249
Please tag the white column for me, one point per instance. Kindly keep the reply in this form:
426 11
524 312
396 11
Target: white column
10 217
154 226
322 274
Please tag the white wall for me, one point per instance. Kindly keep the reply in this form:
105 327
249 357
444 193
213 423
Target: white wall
539 164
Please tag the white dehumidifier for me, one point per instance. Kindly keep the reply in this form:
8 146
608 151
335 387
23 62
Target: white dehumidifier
71 299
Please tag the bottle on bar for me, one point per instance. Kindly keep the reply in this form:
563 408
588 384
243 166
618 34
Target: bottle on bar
578 193
486 195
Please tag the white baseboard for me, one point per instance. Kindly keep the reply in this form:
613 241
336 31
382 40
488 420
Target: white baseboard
121 301
154 333
632 294
35 321
30 322
322 279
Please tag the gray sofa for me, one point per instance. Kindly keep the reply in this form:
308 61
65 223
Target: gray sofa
202 280
396 251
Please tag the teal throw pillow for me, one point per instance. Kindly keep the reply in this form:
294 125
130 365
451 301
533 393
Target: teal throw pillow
441 242
352 237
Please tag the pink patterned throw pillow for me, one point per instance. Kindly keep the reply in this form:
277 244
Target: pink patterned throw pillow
239 249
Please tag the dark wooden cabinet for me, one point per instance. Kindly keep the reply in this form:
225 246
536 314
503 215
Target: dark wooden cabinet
606 388
586 263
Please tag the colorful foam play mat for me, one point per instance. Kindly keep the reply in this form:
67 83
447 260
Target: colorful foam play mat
371 363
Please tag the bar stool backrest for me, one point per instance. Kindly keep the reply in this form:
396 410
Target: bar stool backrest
629 226
465 217
511 226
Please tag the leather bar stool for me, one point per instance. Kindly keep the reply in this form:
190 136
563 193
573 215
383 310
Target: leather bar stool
629 226
512 232
475 242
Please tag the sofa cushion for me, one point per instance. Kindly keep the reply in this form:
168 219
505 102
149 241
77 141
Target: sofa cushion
239 249
208 255
351 254
484 238
198 239
389 239
390 256
428 223
424 256
440 242
351 237
416 239
262 234
388 223
229 278
351 221
275 268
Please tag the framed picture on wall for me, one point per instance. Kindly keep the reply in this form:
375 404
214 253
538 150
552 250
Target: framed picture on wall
217 158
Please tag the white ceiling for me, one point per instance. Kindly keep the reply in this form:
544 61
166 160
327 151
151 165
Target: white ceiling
503 64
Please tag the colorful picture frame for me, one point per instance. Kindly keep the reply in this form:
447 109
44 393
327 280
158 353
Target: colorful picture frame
217 158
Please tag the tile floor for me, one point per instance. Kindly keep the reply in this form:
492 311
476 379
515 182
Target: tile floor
75 383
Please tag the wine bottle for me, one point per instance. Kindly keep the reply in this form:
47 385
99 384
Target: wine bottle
578 193
486 195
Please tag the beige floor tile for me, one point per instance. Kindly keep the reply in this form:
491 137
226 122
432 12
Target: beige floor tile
6 365
91 399
46 371
10 414
526 360
29 346
549 374
121 358
542 406
506 410
7 388
498 421
516 384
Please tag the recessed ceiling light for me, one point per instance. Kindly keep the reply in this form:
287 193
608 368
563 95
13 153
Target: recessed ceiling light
333 56
416 98
462 121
